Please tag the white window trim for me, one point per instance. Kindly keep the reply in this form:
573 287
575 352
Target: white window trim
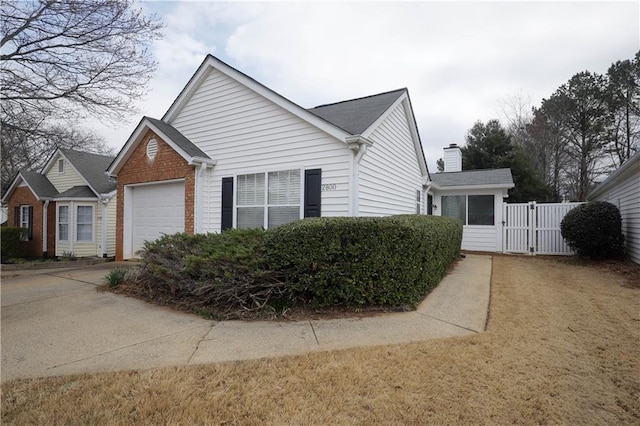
61 163
68 223
24 213
93 223
266 204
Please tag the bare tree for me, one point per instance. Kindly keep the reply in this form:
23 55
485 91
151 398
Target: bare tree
66 60
580 106
623 100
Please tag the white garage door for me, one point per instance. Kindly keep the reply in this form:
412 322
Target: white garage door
157 209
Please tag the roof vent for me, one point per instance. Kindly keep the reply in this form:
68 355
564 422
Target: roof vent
152 149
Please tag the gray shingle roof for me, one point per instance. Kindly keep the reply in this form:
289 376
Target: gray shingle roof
77 192
473 177
356 115
92 167
178 138
39 184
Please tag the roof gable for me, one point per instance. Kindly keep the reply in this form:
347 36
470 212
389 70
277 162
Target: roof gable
212 62
169 134
92 167
37 183
88 167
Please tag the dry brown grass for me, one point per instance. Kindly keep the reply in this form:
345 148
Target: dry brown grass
563 346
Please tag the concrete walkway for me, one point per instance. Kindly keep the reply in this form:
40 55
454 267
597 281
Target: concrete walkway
54 322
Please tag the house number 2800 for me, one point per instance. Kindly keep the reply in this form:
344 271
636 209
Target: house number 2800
329 187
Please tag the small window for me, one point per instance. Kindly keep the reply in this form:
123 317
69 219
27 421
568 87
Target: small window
26 221
61 166
418 203
481 210
63 223
84 223
152 149
455 206
470 210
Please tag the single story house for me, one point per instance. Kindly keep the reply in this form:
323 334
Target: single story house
473 196
230 152
622 188
67 207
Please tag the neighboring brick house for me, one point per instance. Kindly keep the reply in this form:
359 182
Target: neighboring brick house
68 207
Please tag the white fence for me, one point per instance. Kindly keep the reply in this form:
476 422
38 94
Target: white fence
534 228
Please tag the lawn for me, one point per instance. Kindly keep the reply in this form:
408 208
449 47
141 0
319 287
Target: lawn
562 346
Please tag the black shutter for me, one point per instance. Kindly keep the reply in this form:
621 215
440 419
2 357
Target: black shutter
312 196
16 216
429 205
227 203
30 235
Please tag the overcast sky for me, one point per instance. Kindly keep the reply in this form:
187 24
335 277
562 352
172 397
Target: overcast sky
459 60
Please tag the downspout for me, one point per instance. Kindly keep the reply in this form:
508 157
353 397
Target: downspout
105 203
72 225
199 178
45 233
426 187
358 145
198 213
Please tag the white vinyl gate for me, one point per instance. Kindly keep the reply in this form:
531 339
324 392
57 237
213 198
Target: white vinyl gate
534 228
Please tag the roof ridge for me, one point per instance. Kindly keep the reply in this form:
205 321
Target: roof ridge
65 150
360 98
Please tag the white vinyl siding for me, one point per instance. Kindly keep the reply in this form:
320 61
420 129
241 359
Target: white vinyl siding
111 226
246 133
626 196
66 180
389 171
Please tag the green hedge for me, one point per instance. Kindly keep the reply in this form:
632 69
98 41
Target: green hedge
11 244
392 261
594 230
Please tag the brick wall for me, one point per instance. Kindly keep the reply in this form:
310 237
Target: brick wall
22 196
166 165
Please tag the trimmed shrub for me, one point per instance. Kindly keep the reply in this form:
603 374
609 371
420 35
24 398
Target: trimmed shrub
594 230
390 261
11 244
223 273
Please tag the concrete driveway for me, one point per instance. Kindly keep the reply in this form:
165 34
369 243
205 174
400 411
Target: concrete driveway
54 322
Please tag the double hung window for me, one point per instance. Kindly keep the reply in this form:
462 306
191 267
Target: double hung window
265 200
63 223
84 223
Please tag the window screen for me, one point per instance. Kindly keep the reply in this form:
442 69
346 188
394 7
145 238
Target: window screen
84 223
281 203
481 210
455 206
63 223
